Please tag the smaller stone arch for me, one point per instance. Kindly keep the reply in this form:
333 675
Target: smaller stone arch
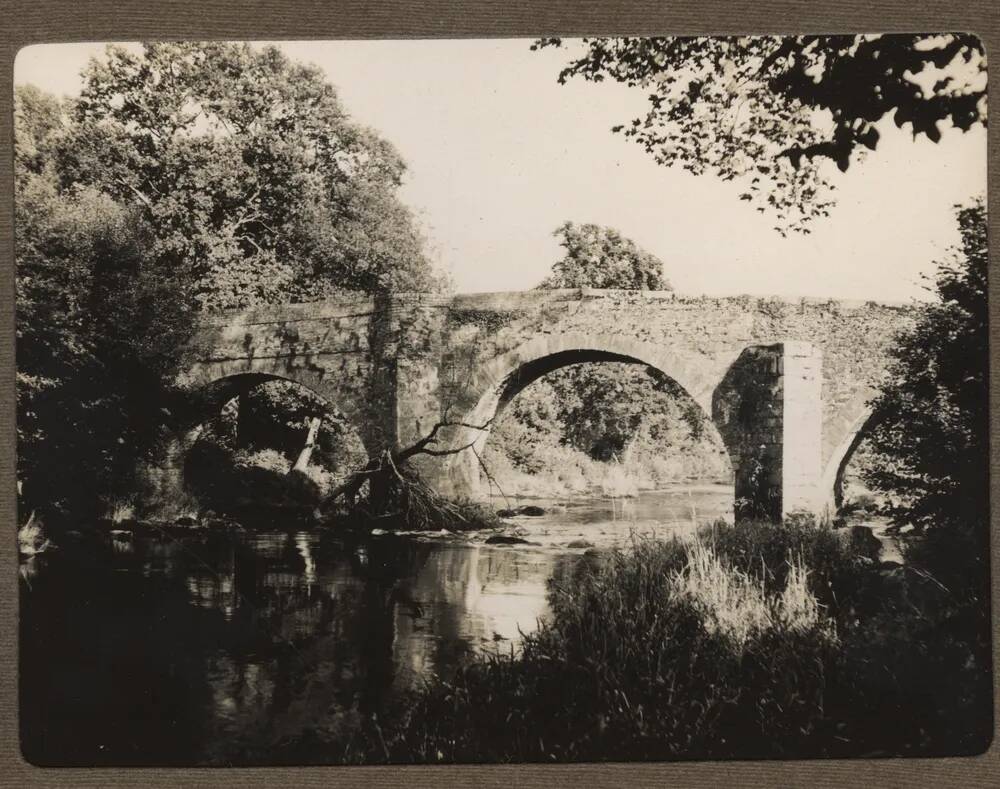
497 382
223 379
217 383
832 481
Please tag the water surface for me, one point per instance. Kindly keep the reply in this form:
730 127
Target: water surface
220 648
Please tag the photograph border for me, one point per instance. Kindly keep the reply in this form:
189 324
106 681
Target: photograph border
28 22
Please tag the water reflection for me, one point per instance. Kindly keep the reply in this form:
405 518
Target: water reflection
232 648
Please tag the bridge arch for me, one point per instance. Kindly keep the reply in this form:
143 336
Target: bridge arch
216 383
221 380
832 481
496 383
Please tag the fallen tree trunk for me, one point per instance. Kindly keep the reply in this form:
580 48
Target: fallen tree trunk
302 461
396 490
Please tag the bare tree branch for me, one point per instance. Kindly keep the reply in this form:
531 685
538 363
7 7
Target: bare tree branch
490 477
394 459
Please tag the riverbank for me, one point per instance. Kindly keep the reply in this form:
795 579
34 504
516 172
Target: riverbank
571 474
545 523
335 625
757 641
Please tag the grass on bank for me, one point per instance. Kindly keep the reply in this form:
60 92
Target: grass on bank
757 641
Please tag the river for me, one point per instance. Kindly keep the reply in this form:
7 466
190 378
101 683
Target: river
225 648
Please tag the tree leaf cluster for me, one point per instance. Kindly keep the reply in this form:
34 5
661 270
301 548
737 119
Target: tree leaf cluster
766 112
99 329
248 170
185 178
930 422
601 257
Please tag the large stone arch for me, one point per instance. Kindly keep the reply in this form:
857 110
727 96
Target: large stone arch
498 381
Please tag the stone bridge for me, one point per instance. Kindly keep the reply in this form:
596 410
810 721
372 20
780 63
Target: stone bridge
785 382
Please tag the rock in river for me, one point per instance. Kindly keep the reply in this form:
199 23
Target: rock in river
505 539
529 509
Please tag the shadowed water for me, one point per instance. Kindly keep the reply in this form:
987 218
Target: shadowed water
226 648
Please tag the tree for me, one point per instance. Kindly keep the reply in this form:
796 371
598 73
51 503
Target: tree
766 111
185 178
528 431
931 417
600 257
99 328
931 444
249 172
601 407
604 408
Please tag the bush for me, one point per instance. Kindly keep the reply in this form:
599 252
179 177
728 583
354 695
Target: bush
754 641
559 470
265 459
234 482
908 681
660 651
840 563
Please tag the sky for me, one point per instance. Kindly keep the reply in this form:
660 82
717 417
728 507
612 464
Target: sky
500 155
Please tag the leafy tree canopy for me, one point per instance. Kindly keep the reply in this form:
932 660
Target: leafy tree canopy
186 177
931 419
99 326
768 110
248 170
604 409
600 257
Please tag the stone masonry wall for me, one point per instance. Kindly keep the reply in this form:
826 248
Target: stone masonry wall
768 410
332 347
852 337
398 365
